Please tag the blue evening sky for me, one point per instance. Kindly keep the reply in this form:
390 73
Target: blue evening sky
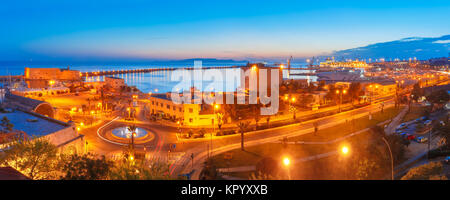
238 29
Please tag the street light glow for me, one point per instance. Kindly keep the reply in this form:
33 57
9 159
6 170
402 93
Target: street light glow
345 150
286 161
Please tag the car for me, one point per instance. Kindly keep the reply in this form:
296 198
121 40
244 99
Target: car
410 137
403 134
401 126
447 160
427 123
421 139
424 118
418 120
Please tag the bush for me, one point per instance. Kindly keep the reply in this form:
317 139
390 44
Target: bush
229 132
267 166
438 153
430 171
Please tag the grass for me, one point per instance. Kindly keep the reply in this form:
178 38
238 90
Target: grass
326 168
416 112
252 155
344 129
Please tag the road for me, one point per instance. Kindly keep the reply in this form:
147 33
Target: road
221 145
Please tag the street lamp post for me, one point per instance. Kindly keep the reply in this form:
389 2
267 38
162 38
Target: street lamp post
392 159
345 151
292 107
215 107
286 163
340 97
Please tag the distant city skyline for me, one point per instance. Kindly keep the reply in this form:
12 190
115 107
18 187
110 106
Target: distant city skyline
250 30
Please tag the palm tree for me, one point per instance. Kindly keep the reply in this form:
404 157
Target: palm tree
442 130
268 121
132 129
242 127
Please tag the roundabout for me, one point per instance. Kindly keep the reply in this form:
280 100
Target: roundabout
121 134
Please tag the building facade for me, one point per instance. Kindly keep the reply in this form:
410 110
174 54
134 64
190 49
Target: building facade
161 105
51 74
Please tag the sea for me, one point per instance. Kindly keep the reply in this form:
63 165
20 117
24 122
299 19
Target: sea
156 82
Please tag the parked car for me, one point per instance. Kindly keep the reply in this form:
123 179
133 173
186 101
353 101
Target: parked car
403 135
447 160
410 137
424 118
418 120
401 126
421 139
427 123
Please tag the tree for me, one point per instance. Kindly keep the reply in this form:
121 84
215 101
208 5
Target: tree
316 127
209 171
443 131
430 171
242 128
267 166
321 85
140 171
438 97
6 124
219 120
416 92
331 95
86 167
396 143
36 158
256 109
306 100
365 169
132 130
293 110
354 91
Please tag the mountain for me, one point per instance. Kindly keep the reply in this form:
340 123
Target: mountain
419 47
208 60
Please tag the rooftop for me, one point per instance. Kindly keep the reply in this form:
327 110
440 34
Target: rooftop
40 127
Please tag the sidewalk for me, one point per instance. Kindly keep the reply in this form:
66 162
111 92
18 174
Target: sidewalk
390 129
201 154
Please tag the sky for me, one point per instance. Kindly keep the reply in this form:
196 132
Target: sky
232 29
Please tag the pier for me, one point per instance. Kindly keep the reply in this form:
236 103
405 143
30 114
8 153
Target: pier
145 70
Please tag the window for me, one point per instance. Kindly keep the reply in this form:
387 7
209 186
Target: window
191 120
168 107
153 103
190 110
179 109
174 108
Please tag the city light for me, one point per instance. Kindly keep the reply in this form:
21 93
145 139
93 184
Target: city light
344 150
286 161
